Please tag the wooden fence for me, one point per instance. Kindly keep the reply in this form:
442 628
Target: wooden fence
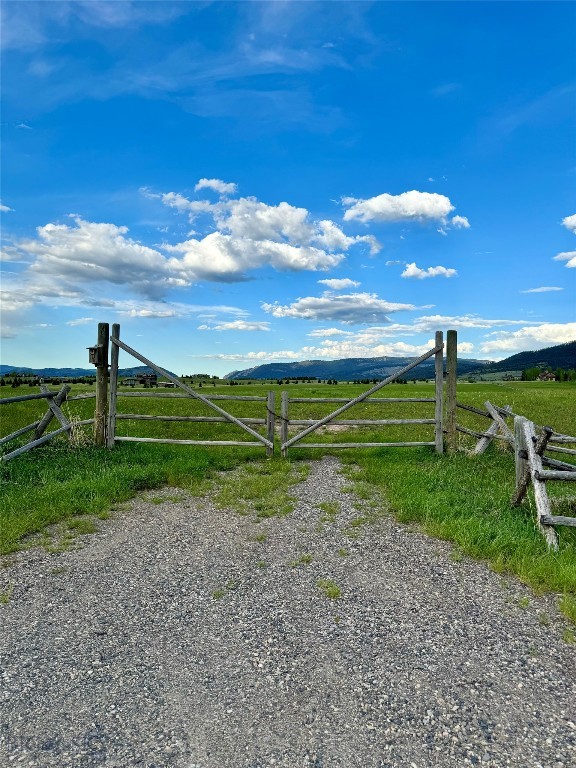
244 424
40 437
533 467
311 425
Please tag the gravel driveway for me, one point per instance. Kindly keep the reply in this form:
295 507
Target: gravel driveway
177 636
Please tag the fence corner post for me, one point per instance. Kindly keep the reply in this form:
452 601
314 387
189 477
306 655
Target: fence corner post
451 377
101 362
439 391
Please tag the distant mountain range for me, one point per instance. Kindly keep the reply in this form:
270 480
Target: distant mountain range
350 369
560 356
69 373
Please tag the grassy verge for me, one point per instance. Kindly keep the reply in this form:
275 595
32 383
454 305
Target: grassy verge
466 500
58 482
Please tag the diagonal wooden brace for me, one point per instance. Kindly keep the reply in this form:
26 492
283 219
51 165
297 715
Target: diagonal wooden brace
54 410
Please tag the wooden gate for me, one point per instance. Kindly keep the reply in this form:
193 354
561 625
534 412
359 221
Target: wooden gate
438 442
223 415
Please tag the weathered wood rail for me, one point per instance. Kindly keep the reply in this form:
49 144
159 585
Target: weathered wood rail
530 462
311 425
55 400
111 438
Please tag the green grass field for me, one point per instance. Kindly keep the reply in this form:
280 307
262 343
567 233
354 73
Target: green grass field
461 498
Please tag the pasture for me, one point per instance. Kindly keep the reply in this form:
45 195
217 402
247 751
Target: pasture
461 498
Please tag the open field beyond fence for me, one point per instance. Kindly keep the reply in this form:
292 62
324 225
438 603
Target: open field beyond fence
459 497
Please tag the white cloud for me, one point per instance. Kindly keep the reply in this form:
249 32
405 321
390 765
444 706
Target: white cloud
323 332
408 206
332 350
543 289
460 222
338 284
236 325
222 187
569 257
5 208
347 308
90 252
223 257
570 223
413 271
531 337
81 321
251 234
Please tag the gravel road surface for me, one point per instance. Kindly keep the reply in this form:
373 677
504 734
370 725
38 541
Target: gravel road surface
177 637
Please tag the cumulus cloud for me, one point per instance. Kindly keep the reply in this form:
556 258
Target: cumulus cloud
338 284
460 222
570 223
5 208
236 325
251 234
217 185
569 257
531 337
353 308
226 258
408 206
420 274
90 252
543 289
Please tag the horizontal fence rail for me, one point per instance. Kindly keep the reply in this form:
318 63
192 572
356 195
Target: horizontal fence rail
311 425
266 441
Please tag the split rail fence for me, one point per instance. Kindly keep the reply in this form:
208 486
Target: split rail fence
40 436
533 467
332 419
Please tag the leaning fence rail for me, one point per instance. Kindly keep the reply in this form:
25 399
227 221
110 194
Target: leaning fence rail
311 425
266 441
40 437
530 462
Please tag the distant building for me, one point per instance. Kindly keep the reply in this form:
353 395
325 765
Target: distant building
546 376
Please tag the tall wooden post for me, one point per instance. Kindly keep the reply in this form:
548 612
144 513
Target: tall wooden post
284 421
101 362
114 353
451 376
439 377
270 421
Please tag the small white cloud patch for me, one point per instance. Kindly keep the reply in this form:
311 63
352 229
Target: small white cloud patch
420 274
217 185
570 223
569 257
338 284
543 289
408 206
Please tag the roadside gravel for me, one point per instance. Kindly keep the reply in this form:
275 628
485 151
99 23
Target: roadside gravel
183 636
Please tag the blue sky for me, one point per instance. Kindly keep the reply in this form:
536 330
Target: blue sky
245 182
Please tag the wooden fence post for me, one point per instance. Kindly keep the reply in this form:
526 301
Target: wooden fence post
451 374
439 378
270 421
114 353
284 421
101 409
